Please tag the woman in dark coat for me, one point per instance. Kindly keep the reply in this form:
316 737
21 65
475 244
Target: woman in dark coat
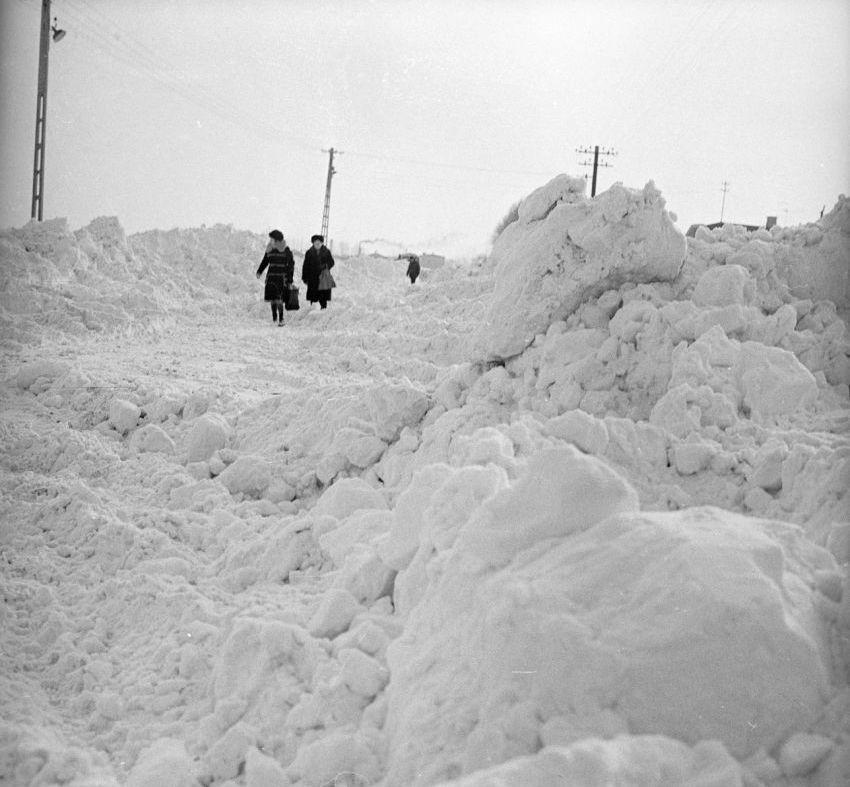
281 264
413 267
318 258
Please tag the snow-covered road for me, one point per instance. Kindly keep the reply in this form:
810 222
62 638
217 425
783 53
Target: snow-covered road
589 520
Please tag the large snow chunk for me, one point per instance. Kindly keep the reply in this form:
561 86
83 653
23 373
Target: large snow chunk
208 434
248 475
724 285
398 549
549 262
541 201
363 529
393 407
259 654
123 415
722 376
698 625
334 614
335 756
816 264
773 382
347 496
152 438
581 429
626 761
164 762
562 491
44 371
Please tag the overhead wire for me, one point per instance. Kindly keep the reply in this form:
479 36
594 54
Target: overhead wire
114 42
110 39
122 46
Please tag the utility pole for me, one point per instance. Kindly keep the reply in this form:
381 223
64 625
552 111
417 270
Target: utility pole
723 203
595 163
331 172
41 109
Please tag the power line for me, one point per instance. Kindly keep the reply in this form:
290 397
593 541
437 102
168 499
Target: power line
466 167
112 40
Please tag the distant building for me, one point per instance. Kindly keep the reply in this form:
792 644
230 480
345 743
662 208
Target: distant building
770 222
432 260
379 247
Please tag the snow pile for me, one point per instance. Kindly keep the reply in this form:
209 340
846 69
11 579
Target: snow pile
577 512
562 640
98 279
563 250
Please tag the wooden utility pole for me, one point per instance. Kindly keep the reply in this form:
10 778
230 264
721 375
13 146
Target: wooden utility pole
597 152
327 211
723 202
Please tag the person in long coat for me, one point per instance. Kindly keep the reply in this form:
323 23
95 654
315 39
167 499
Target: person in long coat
413 268
281 271
317 258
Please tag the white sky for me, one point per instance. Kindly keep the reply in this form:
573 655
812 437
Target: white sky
170 114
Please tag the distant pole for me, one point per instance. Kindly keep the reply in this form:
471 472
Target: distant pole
723 203
595 163
327 211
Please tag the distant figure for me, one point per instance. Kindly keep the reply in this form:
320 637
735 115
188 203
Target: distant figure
316 272
822 210
413 268
281 264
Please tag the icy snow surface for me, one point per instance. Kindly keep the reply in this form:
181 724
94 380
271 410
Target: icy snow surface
573 514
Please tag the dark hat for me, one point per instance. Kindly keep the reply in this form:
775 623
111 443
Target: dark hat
318 237
276 235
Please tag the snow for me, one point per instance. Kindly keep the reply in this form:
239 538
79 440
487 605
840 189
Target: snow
573 513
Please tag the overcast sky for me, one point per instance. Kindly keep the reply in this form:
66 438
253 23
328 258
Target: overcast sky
176 114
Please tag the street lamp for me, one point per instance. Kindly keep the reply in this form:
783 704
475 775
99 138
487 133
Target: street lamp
41 108
58 34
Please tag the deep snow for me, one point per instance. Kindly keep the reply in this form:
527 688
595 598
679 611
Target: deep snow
575 513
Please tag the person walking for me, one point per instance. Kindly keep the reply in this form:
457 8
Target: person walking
316 272
413 268
281 271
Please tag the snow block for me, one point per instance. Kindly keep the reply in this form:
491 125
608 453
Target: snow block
563 491
685 622
773 382
585 432
249 475
152 438
724 285
637 761
393 407
549 261
123 415
334 614
207 435
348 495
43 371
336 756
165 762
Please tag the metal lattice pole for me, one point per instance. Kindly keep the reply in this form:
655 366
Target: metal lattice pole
327 211
41 114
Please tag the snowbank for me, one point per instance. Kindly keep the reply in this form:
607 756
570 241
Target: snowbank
577 511
563 250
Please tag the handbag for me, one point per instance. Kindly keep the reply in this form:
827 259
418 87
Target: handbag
292 299
326 281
